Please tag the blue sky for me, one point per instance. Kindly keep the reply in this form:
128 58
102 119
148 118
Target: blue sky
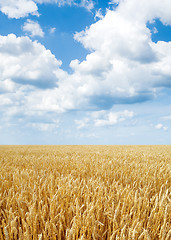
85 72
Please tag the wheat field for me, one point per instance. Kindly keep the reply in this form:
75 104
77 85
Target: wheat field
85 192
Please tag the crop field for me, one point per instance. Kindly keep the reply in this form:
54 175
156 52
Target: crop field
85 192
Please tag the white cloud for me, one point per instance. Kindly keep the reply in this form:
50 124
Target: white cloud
98 14
104 118
27 62
115 36
18 8
111 118
22 8
124 66
162 68
88 4
5 100
7 86
145 10
161 126
82 123
33 28
52 30
59 2
27 66
115 2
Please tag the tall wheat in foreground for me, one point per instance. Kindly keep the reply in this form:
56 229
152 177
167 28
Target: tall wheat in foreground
85 192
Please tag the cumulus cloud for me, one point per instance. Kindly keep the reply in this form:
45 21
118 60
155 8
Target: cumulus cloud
27 70
144 10
26 62
5 101
22 8
18 8
104 118
120 38
7 86
33 28
124 65
111 118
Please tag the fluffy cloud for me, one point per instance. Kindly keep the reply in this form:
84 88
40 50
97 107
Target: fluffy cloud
116 37
144 10
18 8
112 118
124 66
27 70
27 62
104 118
22 8
88 4
33 28
7 86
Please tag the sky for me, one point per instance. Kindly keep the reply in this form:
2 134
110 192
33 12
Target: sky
85 72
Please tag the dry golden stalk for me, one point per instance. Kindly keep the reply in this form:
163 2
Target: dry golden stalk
85 192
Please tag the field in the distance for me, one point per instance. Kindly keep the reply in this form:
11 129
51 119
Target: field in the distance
85 192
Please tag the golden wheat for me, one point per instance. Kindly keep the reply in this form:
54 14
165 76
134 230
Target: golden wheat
85 192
